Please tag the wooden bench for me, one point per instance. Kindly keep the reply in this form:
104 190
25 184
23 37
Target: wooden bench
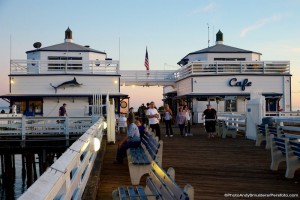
159 185
284 149
292 147
263 133
139 159
233 124
277 150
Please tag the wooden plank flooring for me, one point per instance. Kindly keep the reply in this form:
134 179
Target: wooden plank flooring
213 167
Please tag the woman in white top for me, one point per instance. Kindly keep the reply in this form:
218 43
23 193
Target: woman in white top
167 117
187 128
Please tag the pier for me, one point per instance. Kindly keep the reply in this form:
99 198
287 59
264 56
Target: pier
214 167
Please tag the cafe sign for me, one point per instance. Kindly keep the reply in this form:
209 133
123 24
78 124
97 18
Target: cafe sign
243 84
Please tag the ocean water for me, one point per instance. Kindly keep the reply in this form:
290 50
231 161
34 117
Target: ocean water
5 108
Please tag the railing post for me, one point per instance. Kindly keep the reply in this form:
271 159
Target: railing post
66 124
23 124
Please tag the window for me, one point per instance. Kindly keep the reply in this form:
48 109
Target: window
229 59
56 65
230 106
35 106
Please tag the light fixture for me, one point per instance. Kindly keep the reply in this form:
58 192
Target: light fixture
104 125
115 82
12 81
133 86
96 144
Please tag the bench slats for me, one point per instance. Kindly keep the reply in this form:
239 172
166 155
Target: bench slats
167 182
141 193
122 193
131 193
295 146
138 156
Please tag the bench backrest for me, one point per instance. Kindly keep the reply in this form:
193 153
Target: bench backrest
280 143
295 146
261 129
151 144
161 182
272 129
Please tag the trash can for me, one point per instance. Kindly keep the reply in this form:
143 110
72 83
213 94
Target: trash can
268 120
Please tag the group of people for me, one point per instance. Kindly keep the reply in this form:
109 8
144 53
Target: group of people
135 130
183 120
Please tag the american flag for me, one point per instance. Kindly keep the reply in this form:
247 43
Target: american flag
146 60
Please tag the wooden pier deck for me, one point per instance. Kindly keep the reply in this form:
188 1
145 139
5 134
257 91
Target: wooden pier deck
214 167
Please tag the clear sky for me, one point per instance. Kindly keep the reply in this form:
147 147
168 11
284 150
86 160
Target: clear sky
169 28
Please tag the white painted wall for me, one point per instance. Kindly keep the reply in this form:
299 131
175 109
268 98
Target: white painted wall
220 84
212 56
168 89
95 56
74 109
41 84
184 86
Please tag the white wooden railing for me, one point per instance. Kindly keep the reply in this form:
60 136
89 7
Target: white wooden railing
64 66
233 67
29 126
150 78
67 177
284 114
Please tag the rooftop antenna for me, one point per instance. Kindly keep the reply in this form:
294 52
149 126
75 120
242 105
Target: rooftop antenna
213 33
119 52
208 33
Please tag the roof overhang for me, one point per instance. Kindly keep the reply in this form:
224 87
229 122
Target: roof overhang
222 95
15 96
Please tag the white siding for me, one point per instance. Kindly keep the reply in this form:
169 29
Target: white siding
74 109
167 89
95 56
212 56
41 84
220 84
184 86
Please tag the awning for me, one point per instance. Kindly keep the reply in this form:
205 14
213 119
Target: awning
222 95
14 96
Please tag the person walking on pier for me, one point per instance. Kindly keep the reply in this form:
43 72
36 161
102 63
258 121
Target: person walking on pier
210 120
168 117
187 127
180 119
62 110
132 140
153 116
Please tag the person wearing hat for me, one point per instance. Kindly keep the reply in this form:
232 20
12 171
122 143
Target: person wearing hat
210 120
131 115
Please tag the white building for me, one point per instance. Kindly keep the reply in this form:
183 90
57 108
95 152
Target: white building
224 76
63 73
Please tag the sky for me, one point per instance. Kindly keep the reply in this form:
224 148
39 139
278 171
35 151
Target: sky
169 28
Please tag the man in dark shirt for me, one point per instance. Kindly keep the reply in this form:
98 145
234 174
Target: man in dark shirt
210 120
62 110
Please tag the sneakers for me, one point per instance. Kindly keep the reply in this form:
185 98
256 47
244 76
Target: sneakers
166 136
171 135
185 134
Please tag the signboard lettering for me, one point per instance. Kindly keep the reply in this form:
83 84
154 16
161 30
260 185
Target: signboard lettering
243 84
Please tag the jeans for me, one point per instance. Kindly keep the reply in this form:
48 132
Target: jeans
157 129
124 146
181 127
168 126
187 128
